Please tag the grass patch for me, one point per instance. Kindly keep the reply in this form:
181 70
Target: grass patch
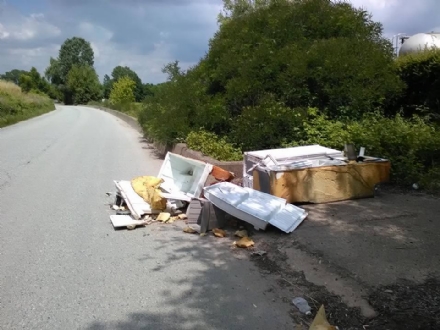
16 106
212 145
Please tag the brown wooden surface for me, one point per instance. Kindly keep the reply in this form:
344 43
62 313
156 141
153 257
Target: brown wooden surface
327 184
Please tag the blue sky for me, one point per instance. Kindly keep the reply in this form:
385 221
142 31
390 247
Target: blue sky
147 34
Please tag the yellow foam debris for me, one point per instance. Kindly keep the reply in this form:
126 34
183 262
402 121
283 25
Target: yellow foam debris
148 188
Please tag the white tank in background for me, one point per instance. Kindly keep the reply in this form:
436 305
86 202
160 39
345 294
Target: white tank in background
420 42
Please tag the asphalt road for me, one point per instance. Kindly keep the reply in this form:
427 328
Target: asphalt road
63 266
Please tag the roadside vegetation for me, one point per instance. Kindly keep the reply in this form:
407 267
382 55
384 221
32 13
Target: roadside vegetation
17 105
277 73
286 73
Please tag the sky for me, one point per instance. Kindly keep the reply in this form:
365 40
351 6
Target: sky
147 34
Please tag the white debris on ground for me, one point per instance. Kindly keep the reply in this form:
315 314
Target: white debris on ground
182 180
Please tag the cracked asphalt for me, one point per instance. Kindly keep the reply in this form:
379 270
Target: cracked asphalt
63 266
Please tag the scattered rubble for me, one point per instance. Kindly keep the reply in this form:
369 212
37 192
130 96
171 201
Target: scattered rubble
241 233
259 253
219 232
302 305
119 221
189 230
123 212
209 198
163 217
206 192
244 243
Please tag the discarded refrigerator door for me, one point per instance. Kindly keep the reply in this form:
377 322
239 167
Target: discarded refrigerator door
183 175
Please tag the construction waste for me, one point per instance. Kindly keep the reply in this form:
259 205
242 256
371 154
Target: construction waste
204 197
203 193
272 181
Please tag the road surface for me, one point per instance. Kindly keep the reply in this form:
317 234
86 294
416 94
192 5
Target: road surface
62 266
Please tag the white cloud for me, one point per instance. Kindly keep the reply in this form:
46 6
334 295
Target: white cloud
142 35
22 28
27 57
148 66
403 16
3 33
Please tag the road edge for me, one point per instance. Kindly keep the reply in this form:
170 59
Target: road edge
133 122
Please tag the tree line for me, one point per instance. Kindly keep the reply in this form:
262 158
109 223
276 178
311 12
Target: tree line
72 79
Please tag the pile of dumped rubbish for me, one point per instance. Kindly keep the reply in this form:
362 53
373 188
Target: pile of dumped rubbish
202 194
273 180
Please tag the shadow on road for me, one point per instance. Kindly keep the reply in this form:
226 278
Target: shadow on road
209 285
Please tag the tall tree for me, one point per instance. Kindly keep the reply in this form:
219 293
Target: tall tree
173 71
74 51
107 86
124 71
53 73
238 8
83 84
148 90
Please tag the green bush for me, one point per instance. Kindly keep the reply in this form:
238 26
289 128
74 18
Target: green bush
276 55
16 106
411 145
122 91
179 107
83 84
318 53
316 128
266 125
421 74
211 145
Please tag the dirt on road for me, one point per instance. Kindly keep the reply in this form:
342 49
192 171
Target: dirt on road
373 263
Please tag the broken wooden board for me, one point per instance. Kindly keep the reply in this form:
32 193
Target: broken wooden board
136 204
119 221
221 174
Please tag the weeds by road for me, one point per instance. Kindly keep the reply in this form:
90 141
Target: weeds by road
17 106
